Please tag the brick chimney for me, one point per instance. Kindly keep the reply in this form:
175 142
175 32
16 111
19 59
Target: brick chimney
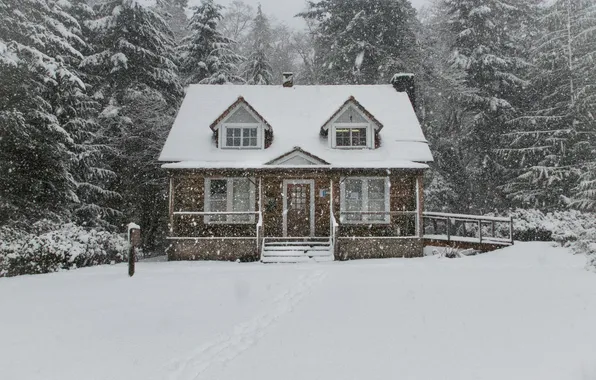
288 79
405 82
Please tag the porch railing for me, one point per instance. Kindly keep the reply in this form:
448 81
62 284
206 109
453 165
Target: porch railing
468 228
383 222
259 223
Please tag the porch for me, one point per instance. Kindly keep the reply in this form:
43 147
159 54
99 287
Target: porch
298 213
312 215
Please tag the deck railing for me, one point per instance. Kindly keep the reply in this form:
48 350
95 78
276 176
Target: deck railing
468 228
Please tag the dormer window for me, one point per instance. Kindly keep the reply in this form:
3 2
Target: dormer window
351 130
237 137
241 129
350 137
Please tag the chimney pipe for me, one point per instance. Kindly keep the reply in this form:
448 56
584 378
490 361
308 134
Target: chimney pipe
405 82
288 79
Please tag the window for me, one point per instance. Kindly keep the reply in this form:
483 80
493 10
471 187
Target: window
351 129
361 196
242 137
241 130
229 195
350 137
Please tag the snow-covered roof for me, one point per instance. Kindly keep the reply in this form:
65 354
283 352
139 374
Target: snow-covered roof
296 116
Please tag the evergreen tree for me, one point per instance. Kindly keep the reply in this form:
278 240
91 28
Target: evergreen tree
135 76
489 64
364 41
39 44
552 144
207 56
258 69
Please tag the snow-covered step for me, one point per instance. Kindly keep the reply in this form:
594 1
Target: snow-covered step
296 253
296 259
280 250
299 248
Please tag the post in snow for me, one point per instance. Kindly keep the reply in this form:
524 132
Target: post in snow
134 240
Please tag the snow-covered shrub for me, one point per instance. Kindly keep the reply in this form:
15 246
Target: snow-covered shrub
55 248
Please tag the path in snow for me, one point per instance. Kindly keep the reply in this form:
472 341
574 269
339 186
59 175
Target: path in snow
228 346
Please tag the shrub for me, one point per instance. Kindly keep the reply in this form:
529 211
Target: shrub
49 248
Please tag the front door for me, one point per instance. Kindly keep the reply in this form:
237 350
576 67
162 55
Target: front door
298 209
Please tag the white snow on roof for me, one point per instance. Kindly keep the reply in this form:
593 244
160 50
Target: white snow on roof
296 115
258 165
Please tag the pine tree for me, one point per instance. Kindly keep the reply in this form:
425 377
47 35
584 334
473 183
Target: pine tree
207 56
489 64
39 43
258 70
552 144
364 41
135 76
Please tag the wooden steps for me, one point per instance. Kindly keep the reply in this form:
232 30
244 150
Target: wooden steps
285 250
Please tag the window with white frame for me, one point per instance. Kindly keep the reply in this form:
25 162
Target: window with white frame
241 130
351 129
224 195
350 137
365 200
241 137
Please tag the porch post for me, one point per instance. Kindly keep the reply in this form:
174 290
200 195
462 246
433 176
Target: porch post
420 206
171 205
260 194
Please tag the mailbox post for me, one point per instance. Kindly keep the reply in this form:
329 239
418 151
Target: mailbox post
134 241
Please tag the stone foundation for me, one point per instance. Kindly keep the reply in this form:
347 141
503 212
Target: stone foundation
214 250
359 248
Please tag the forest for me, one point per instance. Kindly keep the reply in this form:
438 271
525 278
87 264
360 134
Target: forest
506 94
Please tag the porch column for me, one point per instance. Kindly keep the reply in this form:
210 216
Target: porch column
260 194
171 204
420 205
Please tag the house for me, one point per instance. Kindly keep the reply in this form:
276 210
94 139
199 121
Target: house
291 173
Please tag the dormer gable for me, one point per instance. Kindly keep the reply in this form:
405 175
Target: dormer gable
241 127
352 127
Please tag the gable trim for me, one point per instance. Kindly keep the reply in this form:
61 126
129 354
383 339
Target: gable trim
239 102
298 152
352 102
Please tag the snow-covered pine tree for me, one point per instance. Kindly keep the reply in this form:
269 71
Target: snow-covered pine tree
136 47
77 112
134 64
553 143
206 56
448 182
364 41
257 68
487 56
39 43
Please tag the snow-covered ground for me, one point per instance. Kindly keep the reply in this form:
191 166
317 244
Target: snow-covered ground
526 312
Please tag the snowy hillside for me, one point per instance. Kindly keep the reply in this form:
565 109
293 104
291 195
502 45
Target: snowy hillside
526 312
